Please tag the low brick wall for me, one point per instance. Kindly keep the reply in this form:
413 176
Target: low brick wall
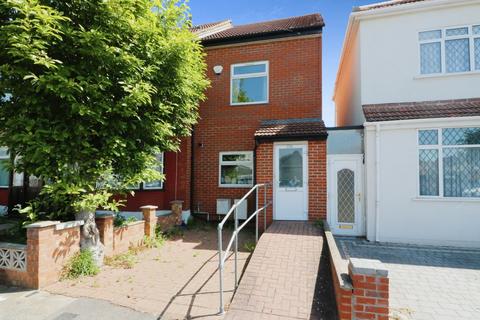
128 236
361 285
49 245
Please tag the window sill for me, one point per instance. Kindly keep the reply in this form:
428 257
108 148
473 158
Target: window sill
238 186
248 104
443 199
446 75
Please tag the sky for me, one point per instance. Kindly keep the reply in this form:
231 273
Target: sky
334 12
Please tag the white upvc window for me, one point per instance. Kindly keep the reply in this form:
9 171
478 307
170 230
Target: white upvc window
249 83
450 50
236 169
4 172
449 162
157 184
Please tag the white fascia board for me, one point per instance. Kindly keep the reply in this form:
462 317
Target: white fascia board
356 17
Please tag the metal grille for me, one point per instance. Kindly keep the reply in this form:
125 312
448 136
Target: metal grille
457 53
428 137
457 32
430 58
13 258
461 172
429 185
461 136
346 196
429 35
476 29
477 53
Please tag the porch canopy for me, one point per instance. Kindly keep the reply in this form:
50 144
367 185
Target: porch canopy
291 130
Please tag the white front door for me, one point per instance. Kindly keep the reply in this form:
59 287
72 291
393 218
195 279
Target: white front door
290 181
345 194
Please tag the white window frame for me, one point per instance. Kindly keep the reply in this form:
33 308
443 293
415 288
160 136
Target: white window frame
439 147
443 56
5 157
249 75
249 164
145 187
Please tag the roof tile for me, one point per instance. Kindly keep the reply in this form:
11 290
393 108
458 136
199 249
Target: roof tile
270 129
422 110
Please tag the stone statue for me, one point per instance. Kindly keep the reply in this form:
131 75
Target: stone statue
90 236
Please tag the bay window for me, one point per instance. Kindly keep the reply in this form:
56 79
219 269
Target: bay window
236 169
449 162
249 83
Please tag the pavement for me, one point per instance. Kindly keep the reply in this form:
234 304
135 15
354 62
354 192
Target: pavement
426 282
21 304
288 276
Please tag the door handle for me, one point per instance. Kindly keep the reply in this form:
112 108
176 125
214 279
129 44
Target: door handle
359 195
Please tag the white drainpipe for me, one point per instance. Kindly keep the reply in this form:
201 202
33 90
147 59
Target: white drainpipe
377 177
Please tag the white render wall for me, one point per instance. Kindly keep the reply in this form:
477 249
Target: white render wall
403 216
389 53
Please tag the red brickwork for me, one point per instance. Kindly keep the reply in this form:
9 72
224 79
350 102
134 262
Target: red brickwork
317 180
370 297
294 92
128 236
264 171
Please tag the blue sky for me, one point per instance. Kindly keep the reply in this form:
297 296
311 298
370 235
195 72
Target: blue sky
334 12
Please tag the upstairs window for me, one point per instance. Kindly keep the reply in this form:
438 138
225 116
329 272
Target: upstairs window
4 172
449 162
249 83
450 50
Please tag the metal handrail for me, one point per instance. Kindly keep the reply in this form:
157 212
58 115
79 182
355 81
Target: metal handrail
222 257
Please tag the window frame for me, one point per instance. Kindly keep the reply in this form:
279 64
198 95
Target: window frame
6 157
250 75
443 56
439 147
222 162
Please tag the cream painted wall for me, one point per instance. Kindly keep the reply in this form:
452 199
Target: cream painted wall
389 53
403 216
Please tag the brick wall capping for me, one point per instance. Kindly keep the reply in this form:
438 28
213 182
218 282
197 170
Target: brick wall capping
41 224
130 224
176 202
367 267
340 266
69 224
104 215
14 246
149 207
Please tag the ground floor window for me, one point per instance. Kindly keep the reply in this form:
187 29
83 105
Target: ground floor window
4 172
157 184
449 162
236 169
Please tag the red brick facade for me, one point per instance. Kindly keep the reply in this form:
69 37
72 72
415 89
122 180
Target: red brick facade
294 92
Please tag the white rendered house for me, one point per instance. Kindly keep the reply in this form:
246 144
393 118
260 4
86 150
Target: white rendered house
410 74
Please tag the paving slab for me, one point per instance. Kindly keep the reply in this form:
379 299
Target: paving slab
288 276
426 282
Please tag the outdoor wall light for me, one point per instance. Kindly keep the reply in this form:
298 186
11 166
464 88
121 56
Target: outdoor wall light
218 70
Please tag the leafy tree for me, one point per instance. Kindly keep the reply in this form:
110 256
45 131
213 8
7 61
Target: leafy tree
90 90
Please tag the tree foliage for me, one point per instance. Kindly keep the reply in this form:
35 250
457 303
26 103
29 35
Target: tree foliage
92 89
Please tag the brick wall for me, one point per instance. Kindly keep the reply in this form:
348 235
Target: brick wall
317 180
294 92
128 236
264 172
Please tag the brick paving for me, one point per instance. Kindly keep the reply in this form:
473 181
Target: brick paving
285 278
426 282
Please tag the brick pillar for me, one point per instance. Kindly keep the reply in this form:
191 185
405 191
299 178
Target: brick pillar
264 174
177 211
150 217
370 289
105 228
317 180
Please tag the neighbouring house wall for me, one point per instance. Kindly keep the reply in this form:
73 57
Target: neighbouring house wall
348 107
294 92
390 62
403 215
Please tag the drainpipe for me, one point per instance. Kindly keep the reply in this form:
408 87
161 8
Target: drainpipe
377 177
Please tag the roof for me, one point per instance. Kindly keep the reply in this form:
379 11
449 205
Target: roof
206 29
291 128
286 27
386 4
422 110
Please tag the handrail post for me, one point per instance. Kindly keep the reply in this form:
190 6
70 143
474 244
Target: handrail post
265 206
220 268
256 216
236 247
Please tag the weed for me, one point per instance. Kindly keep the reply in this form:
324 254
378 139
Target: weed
319 223
124 260
81 264
154 242
249 246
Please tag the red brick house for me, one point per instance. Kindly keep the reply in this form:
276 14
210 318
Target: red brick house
261 123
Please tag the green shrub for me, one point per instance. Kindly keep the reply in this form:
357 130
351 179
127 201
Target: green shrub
121 221
81 264
249 246
319 223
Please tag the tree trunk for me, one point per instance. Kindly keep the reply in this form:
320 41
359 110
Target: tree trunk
90 237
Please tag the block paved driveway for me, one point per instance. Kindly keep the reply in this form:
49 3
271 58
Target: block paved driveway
288 276
426 282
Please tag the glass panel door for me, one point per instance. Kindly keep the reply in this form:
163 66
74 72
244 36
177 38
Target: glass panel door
346 196
290 167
